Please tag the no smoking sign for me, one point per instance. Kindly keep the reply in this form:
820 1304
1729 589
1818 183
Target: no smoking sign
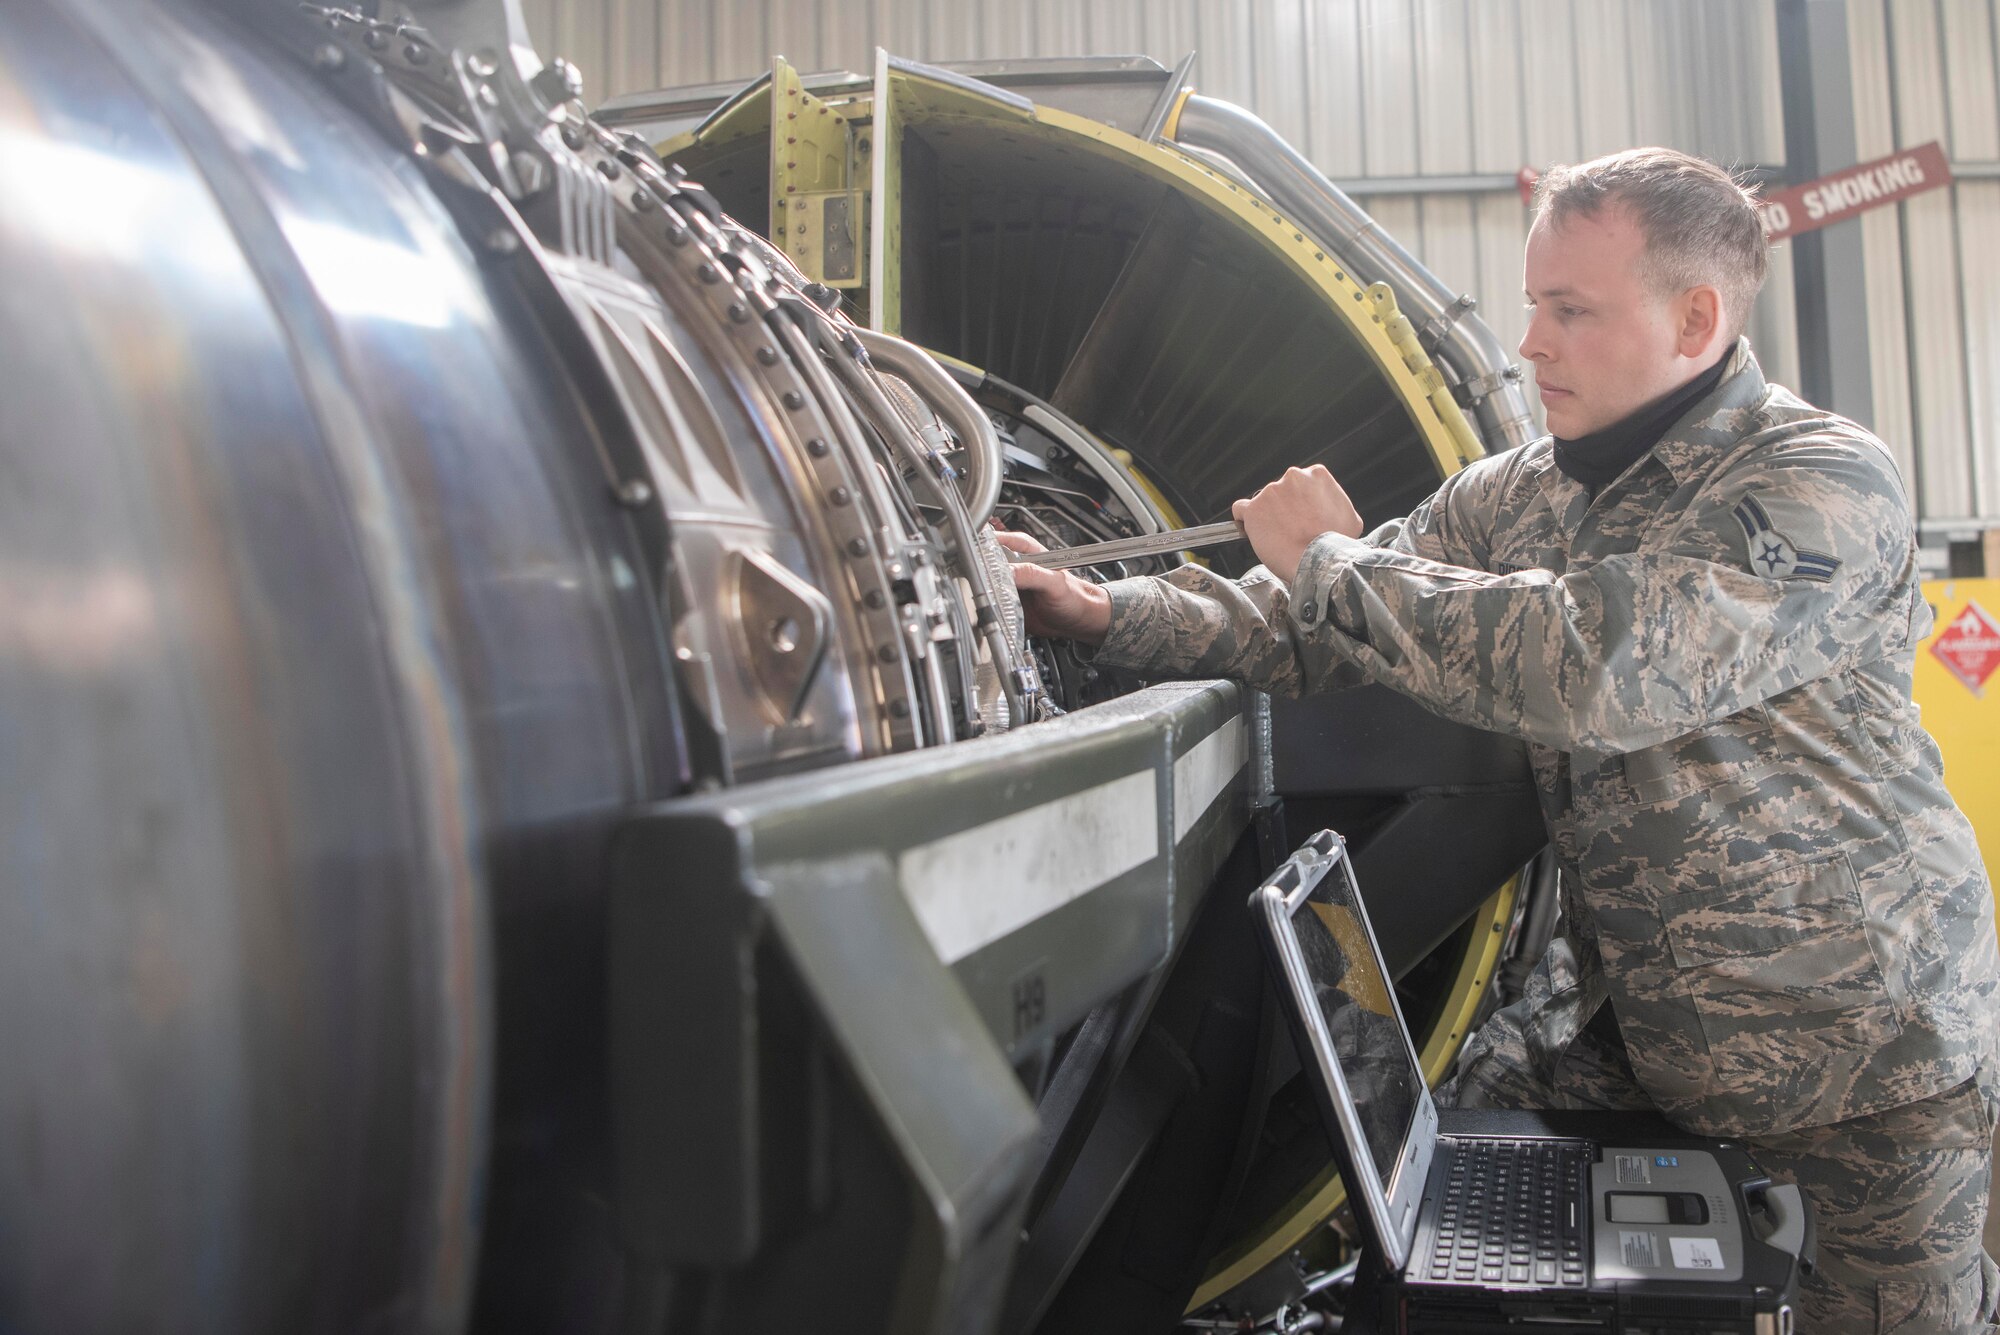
1969 647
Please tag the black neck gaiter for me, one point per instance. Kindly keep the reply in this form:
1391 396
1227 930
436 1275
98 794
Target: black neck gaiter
1598 458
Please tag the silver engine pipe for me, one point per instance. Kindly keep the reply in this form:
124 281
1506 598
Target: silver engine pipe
966 419
1488 381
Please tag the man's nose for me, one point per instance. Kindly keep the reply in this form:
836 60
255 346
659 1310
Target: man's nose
1534 346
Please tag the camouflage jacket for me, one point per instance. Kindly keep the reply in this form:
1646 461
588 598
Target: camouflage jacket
1710 662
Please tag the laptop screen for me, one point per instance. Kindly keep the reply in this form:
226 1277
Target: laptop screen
1351 1039
1369 1040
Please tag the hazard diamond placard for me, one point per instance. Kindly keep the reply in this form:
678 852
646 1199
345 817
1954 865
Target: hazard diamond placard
1970 646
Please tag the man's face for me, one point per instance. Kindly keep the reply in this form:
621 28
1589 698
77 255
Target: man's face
1603 344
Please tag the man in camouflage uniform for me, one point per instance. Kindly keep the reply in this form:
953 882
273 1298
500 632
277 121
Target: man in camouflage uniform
1779 928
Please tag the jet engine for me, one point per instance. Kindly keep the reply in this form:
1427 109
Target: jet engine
529 801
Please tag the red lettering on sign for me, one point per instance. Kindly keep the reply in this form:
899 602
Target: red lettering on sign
1866 185
1524 181
1969 647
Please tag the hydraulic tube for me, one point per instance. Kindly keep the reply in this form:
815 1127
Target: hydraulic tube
851 364
955 406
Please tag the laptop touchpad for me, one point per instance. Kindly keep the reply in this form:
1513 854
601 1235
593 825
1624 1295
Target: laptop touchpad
1655 1207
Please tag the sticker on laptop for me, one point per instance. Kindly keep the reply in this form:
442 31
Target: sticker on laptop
1696 1253
1641 1250
1633 1168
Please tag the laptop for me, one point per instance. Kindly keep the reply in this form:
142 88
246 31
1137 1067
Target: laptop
1477 1221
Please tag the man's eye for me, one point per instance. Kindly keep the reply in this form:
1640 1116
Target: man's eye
1569 312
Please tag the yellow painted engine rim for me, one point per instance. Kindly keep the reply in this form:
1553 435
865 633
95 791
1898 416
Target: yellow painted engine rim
1452 443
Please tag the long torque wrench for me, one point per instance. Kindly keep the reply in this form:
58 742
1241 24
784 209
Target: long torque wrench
1131 549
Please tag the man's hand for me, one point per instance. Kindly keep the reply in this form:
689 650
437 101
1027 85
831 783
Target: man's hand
1055 601
1282 520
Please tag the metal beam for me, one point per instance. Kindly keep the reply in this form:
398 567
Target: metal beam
829 979
1831 298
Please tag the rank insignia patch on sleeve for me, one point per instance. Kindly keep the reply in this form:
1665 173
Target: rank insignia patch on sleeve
1772 553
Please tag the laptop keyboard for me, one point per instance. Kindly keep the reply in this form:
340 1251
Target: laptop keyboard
1512 1213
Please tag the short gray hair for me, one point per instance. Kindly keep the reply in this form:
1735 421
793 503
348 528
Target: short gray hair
1700 222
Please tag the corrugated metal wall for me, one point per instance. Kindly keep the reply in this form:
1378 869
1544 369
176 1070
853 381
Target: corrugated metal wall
1924 70
1375 89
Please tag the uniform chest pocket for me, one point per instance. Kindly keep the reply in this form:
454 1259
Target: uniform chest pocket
1739 750
1780 966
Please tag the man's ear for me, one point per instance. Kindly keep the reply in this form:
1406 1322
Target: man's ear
1701 321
